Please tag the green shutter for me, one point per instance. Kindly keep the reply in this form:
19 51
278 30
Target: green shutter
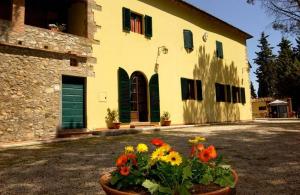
126 19
228 93
188 39
148 26
154 98
243 95
219 49
199 90
124 96
184 88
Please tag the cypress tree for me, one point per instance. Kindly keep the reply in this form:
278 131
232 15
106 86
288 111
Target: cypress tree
285 68
266 73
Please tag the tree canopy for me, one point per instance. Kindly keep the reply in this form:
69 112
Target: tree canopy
286 14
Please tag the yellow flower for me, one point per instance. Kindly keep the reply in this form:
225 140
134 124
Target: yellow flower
129 149
157 154
174 158
197 140
142 148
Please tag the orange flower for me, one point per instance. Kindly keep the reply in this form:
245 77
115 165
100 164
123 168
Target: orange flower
204 156
122 160
212 152
157 142
200 147
125 170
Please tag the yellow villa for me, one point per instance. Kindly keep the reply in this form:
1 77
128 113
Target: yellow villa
136 56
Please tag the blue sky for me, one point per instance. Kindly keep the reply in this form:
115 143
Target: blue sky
250 18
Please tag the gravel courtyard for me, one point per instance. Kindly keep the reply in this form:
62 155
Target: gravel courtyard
265 155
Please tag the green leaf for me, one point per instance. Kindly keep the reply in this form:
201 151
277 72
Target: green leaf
187 172
114 179
151 186
219 159
225 181
207 178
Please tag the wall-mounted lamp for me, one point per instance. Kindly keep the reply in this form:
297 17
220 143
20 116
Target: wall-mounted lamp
163 49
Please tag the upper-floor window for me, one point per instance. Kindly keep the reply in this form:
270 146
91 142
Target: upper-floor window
188 40
191 89
262 108
5 9
133 22
58 15
219 50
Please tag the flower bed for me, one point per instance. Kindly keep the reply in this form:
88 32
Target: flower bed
166 171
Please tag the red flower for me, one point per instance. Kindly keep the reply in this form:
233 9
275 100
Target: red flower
157 142
204 156
132 157
212 152
125 170
122 160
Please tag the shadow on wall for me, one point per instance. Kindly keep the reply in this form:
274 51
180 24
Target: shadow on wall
211 70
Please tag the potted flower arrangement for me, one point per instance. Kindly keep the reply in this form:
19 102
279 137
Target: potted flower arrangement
165 119
166 171
112 119
57 27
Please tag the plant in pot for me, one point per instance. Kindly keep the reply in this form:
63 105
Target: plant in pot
112 119
165 119
165 171
57 27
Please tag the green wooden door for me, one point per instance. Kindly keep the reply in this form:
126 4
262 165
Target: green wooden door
73 103
154 98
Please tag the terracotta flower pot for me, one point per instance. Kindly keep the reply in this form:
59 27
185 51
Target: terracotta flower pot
104 181
165 123
116 125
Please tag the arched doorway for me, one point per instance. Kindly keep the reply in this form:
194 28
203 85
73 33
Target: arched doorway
138 97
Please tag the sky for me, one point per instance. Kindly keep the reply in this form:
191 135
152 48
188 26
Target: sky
249 18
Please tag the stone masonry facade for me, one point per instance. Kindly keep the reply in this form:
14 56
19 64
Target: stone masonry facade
32 63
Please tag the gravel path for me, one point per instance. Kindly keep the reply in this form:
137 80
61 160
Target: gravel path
265 155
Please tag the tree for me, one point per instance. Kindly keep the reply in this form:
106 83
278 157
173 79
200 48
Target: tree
253 93
266 72
286 13
297 50
285 68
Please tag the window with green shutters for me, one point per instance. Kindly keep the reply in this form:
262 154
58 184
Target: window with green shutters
191 89
134 22
219 49
188 40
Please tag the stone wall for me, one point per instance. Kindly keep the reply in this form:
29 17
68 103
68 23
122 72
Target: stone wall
39 38
30 92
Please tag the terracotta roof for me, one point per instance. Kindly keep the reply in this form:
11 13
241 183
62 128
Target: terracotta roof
248 36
